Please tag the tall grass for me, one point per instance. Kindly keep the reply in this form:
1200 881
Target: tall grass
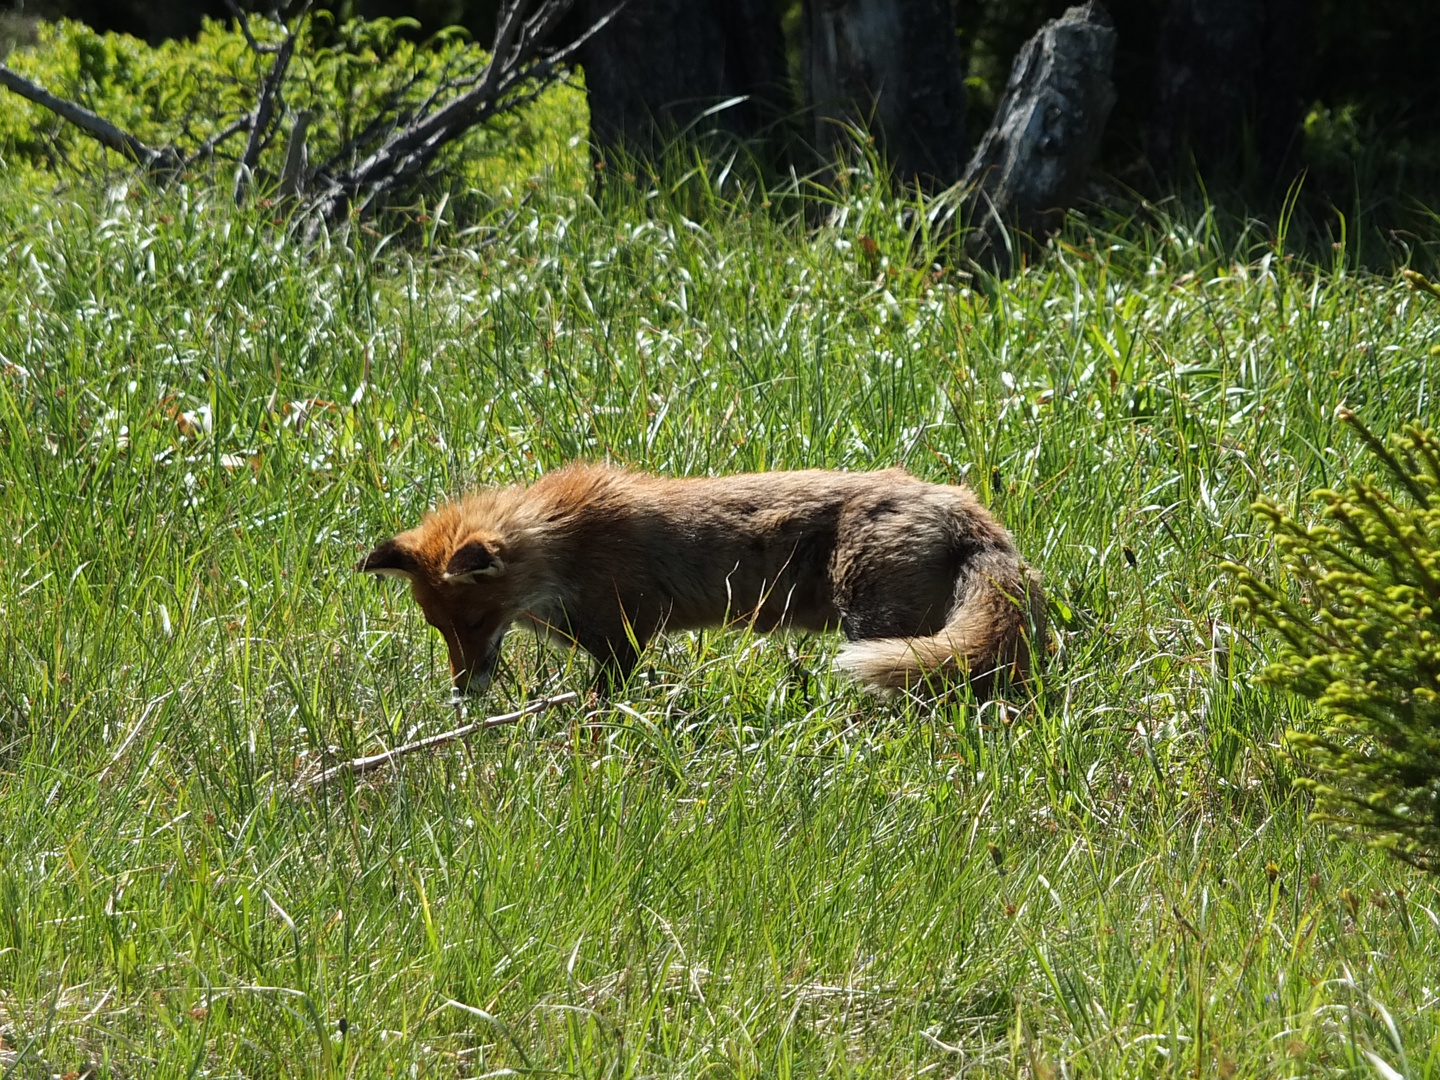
759 870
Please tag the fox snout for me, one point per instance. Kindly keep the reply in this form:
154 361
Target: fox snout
473 676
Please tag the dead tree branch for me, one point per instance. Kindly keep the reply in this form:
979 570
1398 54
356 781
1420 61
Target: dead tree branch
407 152
157 159
362 765
397 146
243 21
264 113
207 148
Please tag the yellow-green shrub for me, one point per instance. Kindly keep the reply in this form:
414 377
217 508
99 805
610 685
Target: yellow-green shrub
183 92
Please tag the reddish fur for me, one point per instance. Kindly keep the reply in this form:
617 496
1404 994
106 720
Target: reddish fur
923 580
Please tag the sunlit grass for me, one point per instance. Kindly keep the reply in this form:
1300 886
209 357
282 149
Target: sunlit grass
759 870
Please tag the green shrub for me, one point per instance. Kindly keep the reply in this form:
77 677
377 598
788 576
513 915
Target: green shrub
183 92
160 94
1356 606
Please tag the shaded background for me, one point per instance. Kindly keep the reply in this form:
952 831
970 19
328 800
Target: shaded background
1346 92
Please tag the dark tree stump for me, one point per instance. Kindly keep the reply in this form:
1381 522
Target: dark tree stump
661 64
1032 161
893 66
1226 67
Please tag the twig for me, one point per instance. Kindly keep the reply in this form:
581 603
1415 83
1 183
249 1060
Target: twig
244 22
155 158
390 114
264 111
407 151
359 766
210 145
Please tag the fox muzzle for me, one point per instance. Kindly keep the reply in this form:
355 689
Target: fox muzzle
473 679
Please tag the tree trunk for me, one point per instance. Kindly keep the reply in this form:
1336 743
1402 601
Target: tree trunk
661 65
894 67
1226 67
1033 159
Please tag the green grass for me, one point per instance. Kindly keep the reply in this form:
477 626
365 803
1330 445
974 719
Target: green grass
760 870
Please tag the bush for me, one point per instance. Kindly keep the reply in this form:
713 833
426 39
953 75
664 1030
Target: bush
1357 608
183 92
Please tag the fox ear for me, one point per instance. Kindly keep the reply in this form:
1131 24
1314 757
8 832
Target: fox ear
473 561
389 560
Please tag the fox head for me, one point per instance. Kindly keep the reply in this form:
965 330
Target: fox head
461 582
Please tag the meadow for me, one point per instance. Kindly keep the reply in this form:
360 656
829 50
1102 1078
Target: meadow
757 869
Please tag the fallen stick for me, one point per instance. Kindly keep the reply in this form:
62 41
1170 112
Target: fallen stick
361 765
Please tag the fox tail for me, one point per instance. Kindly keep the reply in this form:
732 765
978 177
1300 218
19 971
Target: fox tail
995 630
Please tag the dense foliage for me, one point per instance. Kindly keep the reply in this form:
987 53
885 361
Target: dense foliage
1358 614
185 91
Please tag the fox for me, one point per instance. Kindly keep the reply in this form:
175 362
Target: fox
925 584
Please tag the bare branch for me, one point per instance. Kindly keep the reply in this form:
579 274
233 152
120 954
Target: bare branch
390 115
397 144
154 158
244 22
359 766
410 149
210 145
540 25
509 25
450 83
264 112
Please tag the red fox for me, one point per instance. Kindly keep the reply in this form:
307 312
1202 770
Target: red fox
925 583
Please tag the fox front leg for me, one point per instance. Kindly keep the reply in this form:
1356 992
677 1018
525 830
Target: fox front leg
614 663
